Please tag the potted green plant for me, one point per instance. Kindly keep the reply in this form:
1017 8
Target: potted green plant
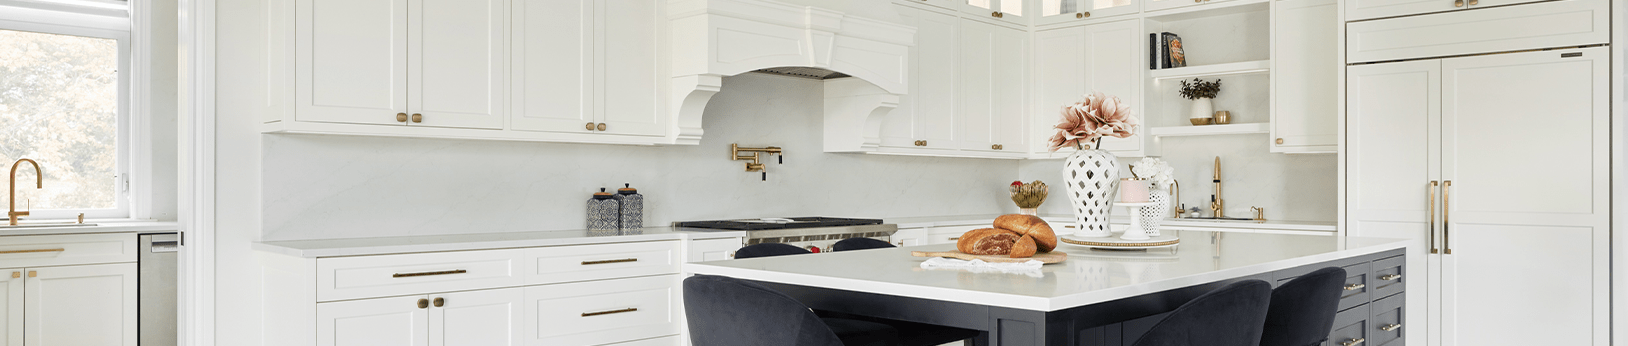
1201 92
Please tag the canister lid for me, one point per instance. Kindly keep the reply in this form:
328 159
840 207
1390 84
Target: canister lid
627 189
602 194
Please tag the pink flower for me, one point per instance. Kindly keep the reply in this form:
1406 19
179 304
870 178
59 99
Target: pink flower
1096 116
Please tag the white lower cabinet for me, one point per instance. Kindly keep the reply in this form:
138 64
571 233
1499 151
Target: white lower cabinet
476 318
909 237
382 321
77 305
713 249
592 313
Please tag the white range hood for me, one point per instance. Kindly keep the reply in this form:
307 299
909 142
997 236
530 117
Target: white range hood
712 39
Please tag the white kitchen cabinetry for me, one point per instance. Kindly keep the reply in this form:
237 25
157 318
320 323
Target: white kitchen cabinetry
1305 63
432 63
68 290
909 237
925 118
1356 10
1077 61
1471 204
1156 5
1571 23
712 249
382 321
992 75
587 67
1063 11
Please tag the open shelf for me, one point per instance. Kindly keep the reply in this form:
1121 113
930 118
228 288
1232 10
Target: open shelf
1204 71
1209 10
1210 130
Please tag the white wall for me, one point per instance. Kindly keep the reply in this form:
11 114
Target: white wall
160 93
344 187
1290 187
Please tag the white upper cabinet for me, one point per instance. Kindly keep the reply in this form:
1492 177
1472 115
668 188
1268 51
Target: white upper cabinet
553 67
1305 73
1356 10
991 87
926 116
455 63
1113 66
1569 23
1059 79
632 71
1063 11
352 61
1009 11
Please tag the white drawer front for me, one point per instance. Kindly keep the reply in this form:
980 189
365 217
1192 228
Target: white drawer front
390 275
598 262
713 249
601 312
51 250
1499 29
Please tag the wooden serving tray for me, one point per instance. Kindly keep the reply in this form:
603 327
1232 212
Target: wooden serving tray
1043 257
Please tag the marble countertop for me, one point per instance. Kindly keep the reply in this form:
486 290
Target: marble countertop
102 226
462 242
1087 277
963 220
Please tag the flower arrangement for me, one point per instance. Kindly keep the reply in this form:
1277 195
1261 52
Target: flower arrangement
1087 121
1200 89
1156 171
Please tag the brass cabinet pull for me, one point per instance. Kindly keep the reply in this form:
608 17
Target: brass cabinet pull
1446 213
1353 287
1458 3
33 273
1390 277
31 251
444 272
418 118
956 238
1280 141
590 126
601 126
438 302
1432 206
597 313
401 117
423 303
1390 327
1353 342
624 260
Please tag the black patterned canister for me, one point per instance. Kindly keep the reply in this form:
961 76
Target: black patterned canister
632 207
604 212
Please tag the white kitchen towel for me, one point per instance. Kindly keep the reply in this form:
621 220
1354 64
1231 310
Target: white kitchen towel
1030 268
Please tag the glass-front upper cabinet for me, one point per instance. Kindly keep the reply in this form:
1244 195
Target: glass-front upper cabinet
1060 11
1013 11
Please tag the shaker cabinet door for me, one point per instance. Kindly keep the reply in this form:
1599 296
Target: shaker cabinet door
456 63
552 79
1305 70
351 61
87 305
477 318
1059 60
383 321
1113 66
633 78
11 306
1356 10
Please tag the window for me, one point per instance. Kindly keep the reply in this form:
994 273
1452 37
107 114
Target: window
64 104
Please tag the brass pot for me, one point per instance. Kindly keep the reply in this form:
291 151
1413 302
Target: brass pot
1223 117
1200 121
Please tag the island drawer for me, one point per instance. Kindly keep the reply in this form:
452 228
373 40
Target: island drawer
1385 321
600 312
1350 328
51 250
1356 290
556 264
341 278
1388 276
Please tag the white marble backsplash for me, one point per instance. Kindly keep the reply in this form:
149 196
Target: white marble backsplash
1299 187
329 187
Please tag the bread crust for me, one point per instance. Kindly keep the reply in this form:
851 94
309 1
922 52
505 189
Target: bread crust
1024 248
1045 239
987 241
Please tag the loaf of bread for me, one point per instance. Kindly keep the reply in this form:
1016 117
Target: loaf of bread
1024 248
987 241
1044 239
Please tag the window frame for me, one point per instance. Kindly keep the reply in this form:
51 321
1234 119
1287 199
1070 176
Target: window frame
94 26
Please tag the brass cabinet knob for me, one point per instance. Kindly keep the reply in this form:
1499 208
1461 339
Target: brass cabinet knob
601 126
423 303
997 14
401 117
1280 141
590 126
1475 2
418 118
33 273
1458 3
1085 15
438 302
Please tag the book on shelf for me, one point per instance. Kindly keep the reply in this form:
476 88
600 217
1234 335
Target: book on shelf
1173 51
1165 51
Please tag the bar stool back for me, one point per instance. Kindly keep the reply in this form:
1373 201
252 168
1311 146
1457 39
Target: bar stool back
860 244
769 250
1302 311
1228 316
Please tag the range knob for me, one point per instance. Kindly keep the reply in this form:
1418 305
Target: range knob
814 249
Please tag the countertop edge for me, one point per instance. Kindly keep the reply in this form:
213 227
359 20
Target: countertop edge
947 221
107 227
287 248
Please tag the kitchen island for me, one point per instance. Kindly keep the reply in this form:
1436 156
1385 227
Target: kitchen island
1094 298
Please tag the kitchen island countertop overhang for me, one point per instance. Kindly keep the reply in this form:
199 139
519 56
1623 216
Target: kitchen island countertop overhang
1087 277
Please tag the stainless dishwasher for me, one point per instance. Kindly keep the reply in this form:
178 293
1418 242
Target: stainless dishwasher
156 282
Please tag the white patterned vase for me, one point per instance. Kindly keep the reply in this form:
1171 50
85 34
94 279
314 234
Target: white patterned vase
1092 177
1151 215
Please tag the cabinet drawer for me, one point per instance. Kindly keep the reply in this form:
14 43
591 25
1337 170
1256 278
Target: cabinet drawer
713 249
390 275
1388 276
1357 288
1385 321
601 312
1499 29
51 250
605 261
1350 328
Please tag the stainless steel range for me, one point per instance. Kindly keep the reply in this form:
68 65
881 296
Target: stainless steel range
813 233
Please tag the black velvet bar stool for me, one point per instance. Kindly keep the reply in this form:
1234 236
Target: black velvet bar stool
1228 316
769 250
860 244
724 311
1302 312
